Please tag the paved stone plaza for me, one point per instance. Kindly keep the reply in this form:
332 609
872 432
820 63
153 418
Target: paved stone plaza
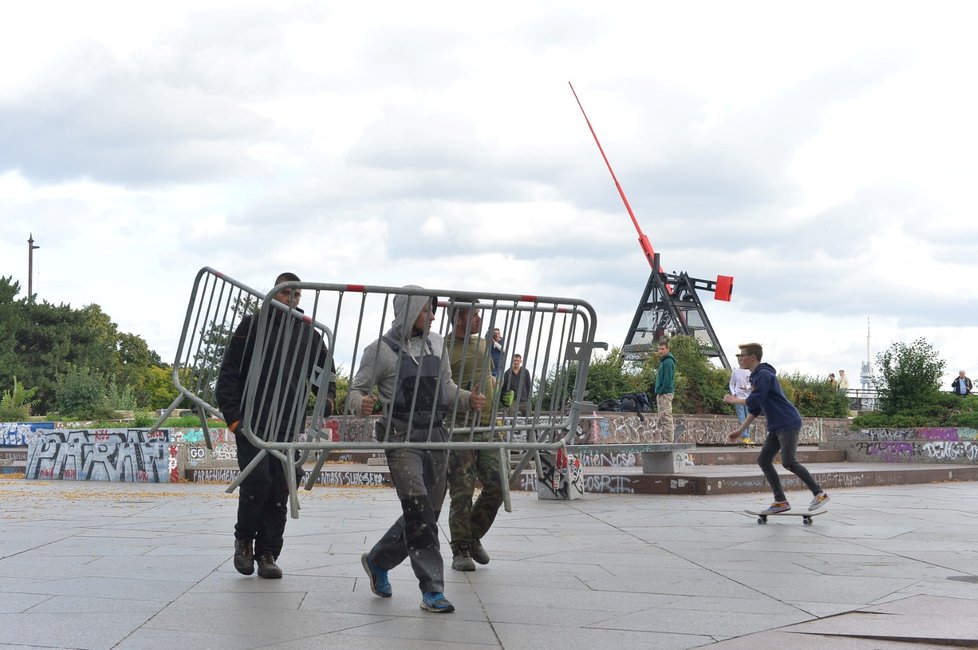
108 565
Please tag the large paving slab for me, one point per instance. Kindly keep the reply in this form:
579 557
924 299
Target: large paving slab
107 565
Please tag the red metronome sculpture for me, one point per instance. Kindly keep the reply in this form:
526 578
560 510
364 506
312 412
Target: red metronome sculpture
669 304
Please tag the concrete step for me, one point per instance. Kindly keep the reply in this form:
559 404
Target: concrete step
733 479
697 480
748 455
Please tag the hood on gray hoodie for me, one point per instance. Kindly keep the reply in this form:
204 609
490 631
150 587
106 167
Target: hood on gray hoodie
378 366
407 308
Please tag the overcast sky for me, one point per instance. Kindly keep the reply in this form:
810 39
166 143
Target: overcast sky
823 154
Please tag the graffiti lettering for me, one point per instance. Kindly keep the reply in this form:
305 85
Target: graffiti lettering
98 461
228 474
952 451
598 459
19 434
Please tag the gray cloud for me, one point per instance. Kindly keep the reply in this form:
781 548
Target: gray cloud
93 119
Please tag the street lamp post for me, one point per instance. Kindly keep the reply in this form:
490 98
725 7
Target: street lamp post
30 267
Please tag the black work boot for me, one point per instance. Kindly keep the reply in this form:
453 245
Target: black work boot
478 553
267 568
244 556
461 561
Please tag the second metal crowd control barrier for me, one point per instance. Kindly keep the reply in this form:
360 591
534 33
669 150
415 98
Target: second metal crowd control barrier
554 337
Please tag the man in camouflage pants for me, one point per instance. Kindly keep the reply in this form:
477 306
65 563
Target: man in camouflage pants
471 368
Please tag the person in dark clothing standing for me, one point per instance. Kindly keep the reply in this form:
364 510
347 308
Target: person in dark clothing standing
961 386
517 387
783 426
294 357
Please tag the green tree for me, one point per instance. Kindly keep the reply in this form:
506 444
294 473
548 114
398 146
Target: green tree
908 377
157 390
51 339
101 335
136 363
11 322
39 342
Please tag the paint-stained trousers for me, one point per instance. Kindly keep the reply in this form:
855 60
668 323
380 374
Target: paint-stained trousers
263 498
467 521
419 476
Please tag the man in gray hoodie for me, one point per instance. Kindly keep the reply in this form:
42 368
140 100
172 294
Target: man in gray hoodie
416 394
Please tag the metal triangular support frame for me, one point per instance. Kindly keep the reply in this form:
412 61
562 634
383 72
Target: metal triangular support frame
670 305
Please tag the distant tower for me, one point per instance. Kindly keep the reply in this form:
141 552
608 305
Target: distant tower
866 376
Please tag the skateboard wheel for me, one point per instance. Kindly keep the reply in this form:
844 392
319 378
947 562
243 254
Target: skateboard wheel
762 520
807 521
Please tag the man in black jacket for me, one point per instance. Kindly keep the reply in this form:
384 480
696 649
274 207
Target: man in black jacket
294 357
961 386
517 380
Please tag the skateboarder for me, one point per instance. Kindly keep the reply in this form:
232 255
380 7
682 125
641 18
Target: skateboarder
783 428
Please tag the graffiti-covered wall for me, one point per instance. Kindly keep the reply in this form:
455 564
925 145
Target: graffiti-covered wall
19 434
624 428
126 455
925 445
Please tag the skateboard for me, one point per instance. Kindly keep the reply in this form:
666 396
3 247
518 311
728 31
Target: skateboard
806 516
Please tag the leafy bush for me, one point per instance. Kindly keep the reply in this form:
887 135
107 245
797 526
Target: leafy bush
814 396
143 420
81 394
898 421
943 410
607 378
16 404
969 420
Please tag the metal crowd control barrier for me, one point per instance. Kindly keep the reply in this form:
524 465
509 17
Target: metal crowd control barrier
217 305
554 336
216 308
